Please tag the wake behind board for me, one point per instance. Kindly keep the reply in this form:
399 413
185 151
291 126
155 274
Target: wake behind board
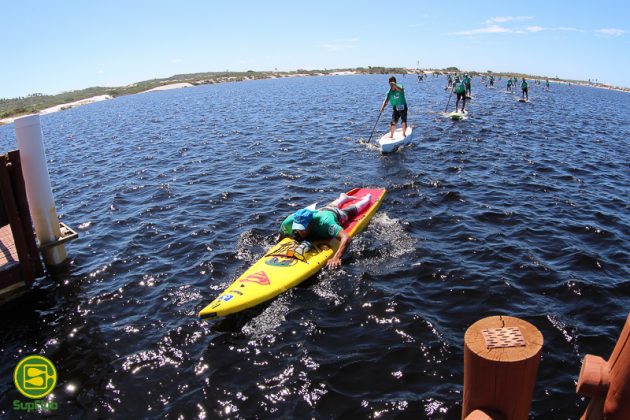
389 144
277 271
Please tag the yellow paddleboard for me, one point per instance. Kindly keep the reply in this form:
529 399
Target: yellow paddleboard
277 272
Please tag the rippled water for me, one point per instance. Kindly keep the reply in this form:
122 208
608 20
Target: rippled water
520 210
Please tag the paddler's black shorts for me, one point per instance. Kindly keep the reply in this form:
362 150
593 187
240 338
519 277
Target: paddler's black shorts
461 96
399 115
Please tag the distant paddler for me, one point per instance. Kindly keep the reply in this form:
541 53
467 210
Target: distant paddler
467 82
524 88
509 85
396 96
449 78
307 225
547 84
491 80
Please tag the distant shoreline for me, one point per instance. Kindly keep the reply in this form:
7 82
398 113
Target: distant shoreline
18 107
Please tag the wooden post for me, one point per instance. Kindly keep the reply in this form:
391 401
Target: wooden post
608 383
23 210
501 358
14 220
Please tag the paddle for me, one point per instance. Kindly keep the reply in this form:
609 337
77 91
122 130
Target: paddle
449 99
379 116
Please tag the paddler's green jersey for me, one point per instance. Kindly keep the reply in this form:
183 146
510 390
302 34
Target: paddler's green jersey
459 88
524 84
325 226
467 80
396 97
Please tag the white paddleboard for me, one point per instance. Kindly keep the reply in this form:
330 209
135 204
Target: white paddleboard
523 100
389 144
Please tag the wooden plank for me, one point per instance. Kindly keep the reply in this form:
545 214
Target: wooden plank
4 220
19 190
15 222
10 275
8 252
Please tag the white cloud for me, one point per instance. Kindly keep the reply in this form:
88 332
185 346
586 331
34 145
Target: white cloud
341 44
490 29
500 25
535 28
611 31
493 27
503 19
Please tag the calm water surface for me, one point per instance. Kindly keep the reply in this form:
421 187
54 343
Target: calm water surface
521 210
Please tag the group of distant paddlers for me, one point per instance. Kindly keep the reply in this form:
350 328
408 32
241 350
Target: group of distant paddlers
459 84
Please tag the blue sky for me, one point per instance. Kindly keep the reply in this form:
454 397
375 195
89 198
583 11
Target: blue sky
54 46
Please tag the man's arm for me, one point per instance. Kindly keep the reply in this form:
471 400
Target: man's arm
385 103
344 239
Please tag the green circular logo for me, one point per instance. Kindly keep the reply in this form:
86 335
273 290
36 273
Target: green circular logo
35 376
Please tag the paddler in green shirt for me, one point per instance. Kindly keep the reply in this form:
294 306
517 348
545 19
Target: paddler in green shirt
396 96
524 88
467 80
325 223
460 90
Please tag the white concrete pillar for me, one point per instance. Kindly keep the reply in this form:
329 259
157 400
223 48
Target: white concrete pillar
28 133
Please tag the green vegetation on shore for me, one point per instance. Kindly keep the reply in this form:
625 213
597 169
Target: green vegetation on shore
36 102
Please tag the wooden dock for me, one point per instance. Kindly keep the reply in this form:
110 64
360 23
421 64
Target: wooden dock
20 262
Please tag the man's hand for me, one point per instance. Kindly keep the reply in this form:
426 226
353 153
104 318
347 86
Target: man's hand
334 262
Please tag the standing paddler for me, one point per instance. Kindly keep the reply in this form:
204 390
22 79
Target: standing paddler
467 82
396 96
524 87
460 90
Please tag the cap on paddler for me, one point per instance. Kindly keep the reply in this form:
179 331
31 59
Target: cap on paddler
301 219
